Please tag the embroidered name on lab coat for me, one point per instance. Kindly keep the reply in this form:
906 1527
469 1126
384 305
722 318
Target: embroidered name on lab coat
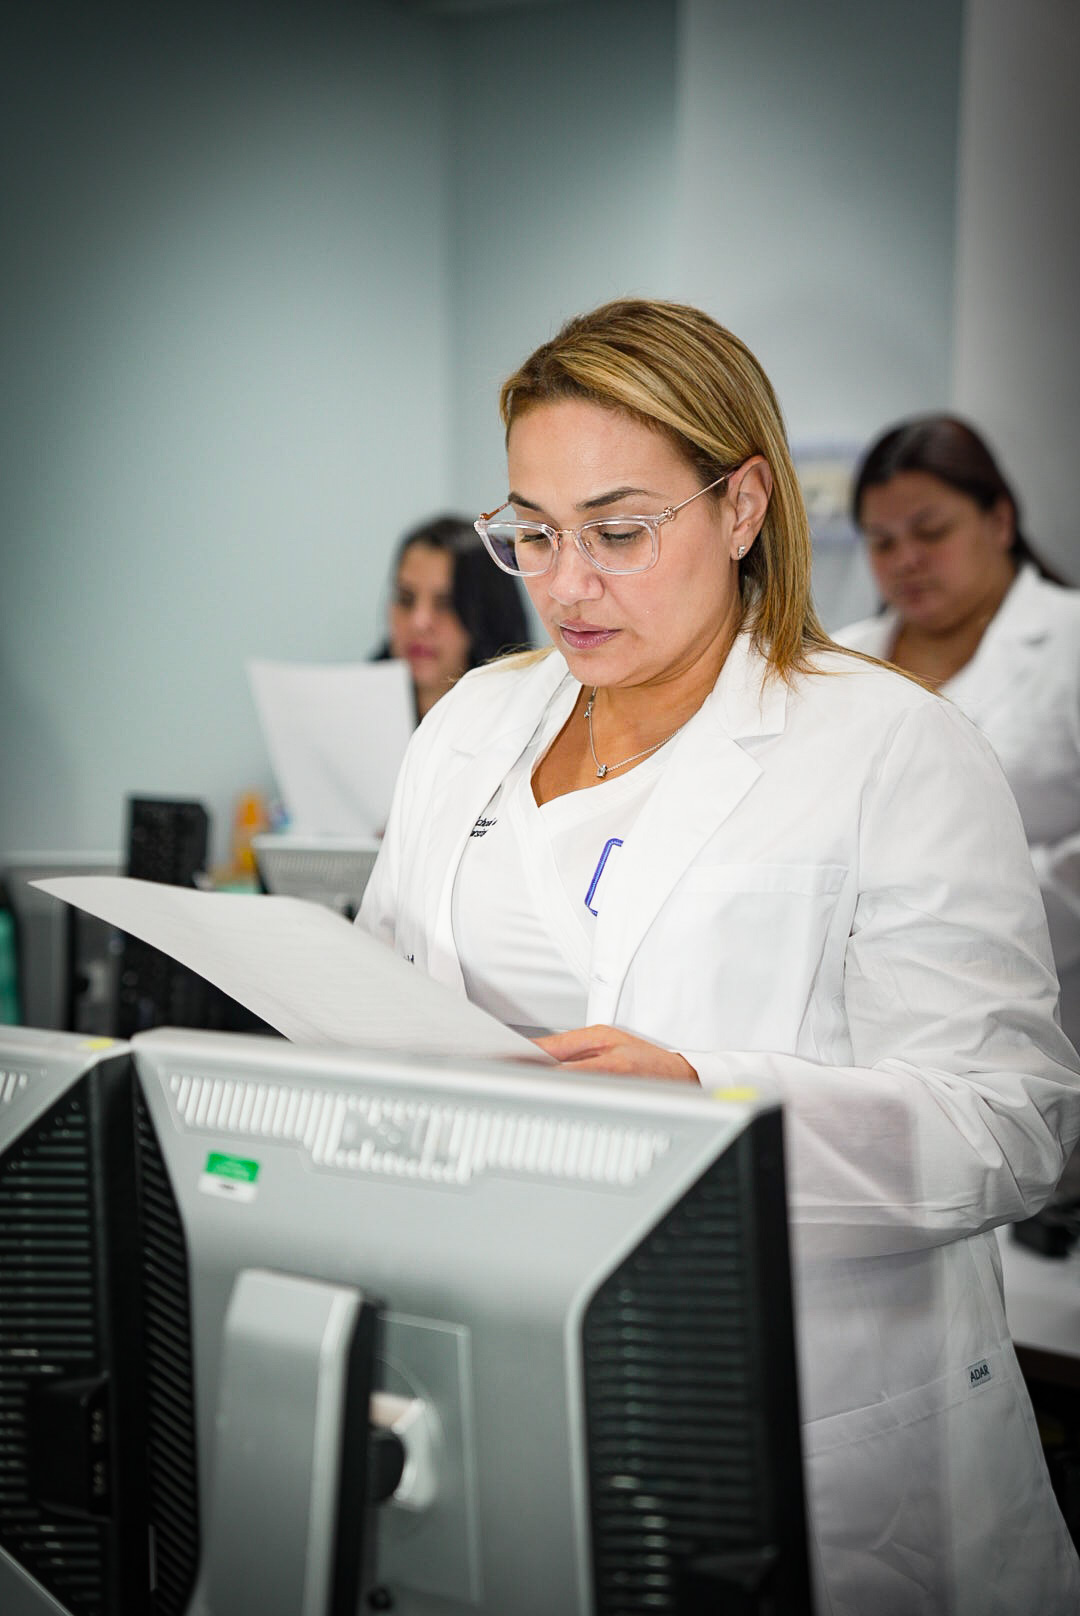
979 1372
482 826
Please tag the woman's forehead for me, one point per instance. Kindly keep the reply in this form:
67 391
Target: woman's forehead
577 442
425 564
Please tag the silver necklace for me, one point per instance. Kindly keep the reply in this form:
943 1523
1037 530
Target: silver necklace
603 769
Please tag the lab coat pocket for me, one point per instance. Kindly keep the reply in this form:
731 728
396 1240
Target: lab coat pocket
756 934
804 880
918 1498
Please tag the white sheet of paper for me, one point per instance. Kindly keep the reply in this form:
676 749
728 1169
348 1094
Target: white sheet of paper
336 734
304 969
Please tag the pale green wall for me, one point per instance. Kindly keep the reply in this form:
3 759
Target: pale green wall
1016 336
817 180
224 321
562 183
263 278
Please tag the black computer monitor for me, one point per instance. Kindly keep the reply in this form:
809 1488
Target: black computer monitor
67 961
74 1512
572 1299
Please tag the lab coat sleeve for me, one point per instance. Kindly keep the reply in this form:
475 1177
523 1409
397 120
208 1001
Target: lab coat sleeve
962 1098
1057 865
1057 861
379 907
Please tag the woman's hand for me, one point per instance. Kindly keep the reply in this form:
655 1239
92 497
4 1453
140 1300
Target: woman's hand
609 1049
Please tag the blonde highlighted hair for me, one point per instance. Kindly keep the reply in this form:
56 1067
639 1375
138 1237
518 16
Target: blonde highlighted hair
674 368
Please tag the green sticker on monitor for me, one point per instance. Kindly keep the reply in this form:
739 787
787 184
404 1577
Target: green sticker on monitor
238 1167
233 1177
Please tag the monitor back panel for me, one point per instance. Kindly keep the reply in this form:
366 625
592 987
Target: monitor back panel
526 1234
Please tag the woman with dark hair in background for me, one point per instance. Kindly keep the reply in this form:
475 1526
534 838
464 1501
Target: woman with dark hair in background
970 608
451 610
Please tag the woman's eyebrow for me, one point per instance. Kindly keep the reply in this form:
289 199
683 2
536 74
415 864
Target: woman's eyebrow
925 513
595 503
609 498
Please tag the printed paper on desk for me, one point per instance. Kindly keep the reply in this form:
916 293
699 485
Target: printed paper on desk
300 966
336 734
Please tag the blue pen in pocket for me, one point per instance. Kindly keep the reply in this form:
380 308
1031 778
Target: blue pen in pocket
612 841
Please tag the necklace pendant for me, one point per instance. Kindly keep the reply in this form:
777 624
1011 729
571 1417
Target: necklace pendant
602 769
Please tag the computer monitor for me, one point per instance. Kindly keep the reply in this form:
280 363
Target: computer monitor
571 1296
333 870
67 961
74 1517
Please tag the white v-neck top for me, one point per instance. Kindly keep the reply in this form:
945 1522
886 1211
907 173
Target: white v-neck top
531 883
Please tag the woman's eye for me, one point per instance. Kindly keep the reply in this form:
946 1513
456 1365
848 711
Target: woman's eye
620 535
932 534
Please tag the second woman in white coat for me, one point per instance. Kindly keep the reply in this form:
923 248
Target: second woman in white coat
969 607
704 845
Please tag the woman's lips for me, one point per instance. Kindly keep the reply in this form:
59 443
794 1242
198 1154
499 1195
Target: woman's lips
912 594
585 636
418 653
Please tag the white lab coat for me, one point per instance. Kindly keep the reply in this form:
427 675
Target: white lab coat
828 897
1022 688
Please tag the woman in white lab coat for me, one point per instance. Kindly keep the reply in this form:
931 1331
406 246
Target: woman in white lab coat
970 608
706 846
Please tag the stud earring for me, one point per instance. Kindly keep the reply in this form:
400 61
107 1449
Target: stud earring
742 551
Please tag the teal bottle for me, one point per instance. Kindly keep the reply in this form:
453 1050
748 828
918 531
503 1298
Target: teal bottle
9 978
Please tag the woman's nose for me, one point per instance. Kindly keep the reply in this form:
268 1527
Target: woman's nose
572 578
907 555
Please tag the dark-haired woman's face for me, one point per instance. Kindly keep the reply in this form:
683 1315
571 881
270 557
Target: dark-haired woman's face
935 554
425 630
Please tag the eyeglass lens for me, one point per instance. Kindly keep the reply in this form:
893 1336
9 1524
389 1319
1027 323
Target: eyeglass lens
619 545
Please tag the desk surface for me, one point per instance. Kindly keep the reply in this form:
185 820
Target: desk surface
1042 1298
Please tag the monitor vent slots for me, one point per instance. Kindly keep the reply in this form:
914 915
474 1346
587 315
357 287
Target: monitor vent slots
419 1139
47 1331
12 1084
330 872
669 1368
169 1380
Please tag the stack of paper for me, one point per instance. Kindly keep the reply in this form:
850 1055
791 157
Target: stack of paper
304 969
336 735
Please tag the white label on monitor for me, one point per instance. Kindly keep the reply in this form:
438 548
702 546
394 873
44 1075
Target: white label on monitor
227 1189
233 1178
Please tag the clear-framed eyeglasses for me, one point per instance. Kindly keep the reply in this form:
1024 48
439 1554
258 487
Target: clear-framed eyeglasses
613 544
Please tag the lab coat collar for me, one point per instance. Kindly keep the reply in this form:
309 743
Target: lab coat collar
747 699
880 636
990 680
1022 614
709 772
486 748
520 711
1020 619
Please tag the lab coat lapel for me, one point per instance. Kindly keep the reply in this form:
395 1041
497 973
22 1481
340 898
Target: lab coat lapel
709 773
481 759
879 640
996 674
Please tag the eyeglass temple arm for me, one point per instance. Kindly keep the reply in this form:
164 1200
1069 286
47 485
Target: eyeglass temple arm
665 515
669 510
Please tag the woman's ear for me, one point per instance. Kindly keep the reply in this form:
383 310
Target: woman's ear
1002 521
750 488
